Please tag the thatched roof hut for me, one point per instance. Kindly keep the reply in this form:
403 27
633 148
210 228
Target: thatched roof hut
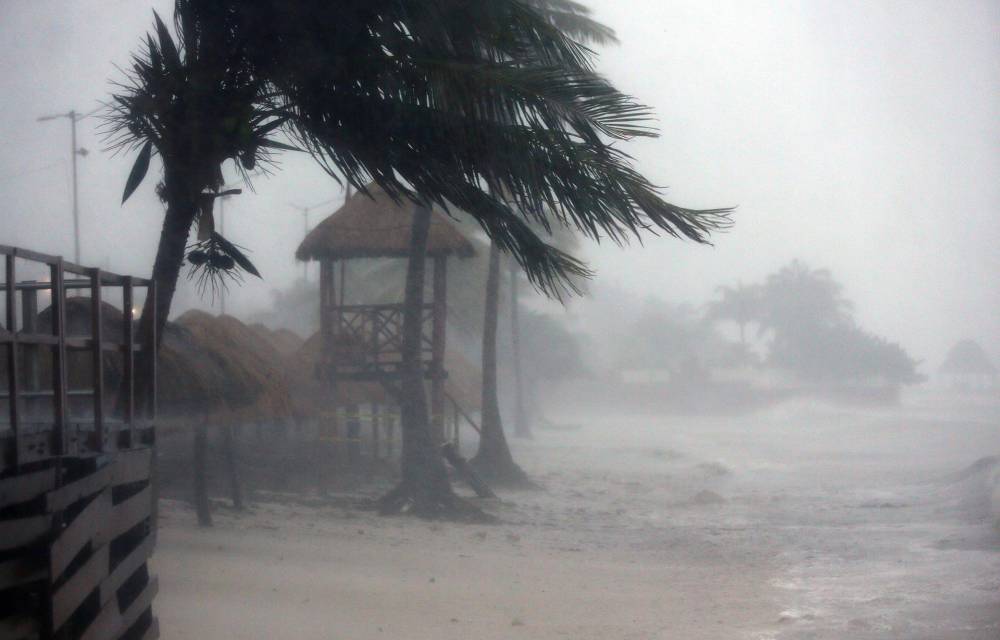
257 387
284 341
376 226
212 368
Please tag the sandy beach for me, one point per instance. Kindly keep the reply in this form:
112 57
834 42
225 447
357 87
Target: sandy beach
674 528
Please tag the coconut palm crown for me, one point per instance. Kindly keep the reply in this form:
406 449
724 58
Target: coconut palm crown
445 101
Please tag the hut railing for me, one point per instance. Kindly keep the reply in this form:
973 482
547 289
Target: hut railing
369 338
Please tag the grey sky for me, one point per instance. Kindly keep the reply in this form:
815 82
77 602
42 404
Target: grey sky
859 136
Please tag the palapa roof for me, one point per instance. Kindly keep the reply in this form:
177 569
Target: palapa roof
208 367
376 226
967 357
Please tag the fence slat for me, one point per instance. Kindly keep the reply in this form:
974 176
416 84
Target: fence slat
71 595
131 512
89 526
25 487
20 532
131 466
66 495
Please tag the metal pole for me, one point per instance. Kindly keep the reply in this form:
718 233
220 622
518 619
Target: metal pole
74 151
76 208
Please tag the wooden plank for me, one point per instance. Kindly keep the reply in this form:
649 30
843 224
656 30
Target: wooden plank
131 512
60 404
86 486
110 623
107 624
21 570
150 357
97 355
127 567
26 486
128 375
71 595
13 375
19 532
153 632
26 254
131 465
89 526
142 602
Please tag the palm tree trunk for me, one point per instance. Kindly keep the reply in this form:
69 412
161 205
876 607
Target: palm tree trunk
493 460
522 428
180 215
424 488
229 445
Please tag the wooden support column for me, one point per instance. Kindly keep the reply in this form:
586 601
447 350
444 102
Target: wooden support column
97 357
59 396
128 364
12 360
440 319
329 325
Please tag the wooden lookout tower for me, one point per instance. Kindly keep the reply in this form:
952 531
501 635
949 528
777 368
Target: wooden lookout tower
362 342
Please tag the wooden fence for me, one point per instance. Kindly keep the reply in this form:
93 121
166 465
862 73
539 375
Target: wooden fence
76 501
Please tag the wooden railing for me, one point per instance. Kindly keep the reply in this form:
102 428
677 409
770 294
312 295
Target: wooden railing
76 499
368 339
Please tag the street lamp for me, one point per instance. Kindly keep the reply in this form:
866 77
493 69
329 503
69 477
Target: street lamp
75 151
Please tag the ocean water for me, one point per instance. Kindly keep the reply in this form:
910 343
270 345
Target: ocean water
878 523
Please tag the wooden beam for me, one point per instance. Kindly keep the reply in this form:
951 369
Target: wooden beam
60 401
97 356
13 375
26 486
89 526
128 338
21 532
439 318
86 486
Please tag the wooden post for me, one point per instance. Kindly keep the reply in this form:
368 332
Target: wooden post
329 326
31 352
440 318
59 397
97 356
12 363
390 434
353 424
128 372
151 351
232 458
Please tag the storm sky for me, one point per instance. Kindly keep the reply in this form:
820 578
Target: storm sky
859 136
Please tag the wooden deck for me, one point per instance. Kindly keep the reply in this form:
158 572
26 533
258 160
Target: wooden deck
76 502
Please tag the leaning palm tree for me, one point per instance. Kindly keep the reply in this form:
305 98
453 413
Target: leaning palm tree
439 102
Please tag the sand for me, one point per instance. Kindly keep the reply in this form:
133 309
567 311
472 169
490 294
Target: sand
588 557
800 523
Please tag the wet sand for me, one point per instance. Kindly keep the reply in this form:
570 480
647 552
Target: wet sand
805 522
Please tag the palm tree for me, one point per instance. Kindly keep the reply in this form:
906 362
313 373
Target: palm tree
439 102
493 460
740 304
